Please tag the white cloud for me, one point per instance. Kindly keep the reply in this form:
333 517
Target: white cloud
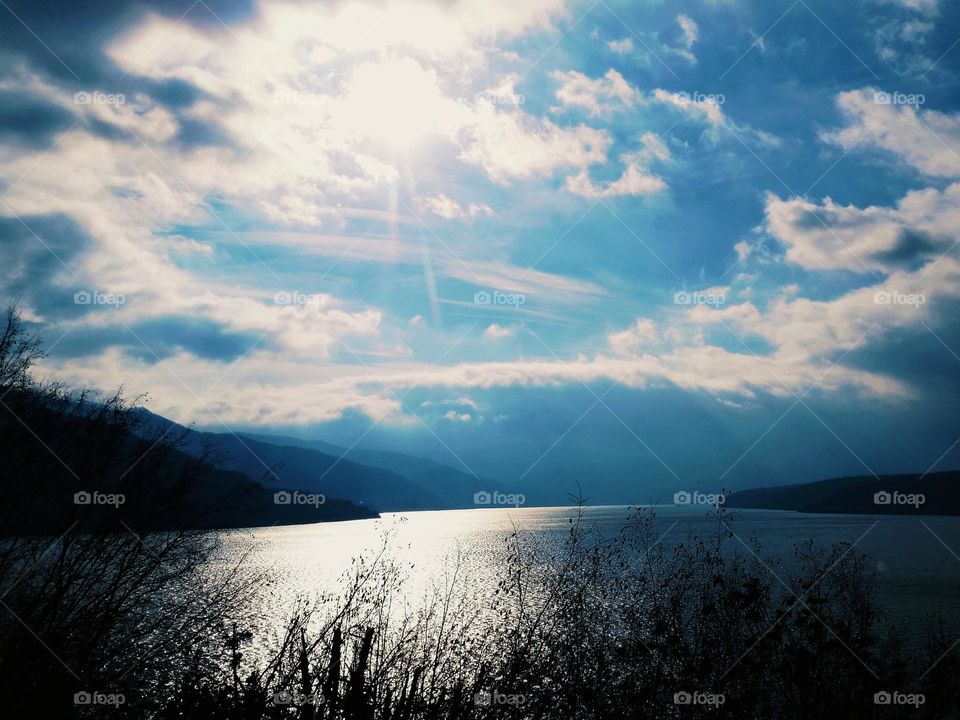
633 181
637 339
446 207
499 332
829 236
457 417
807 337
707 109
623 46
690 33
504 91
598 95
689 28
653 147
925 139
927 7
305 114
289 91
515 145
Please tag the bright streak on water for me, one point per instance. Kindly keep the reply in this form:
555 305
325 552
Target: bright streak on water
917 575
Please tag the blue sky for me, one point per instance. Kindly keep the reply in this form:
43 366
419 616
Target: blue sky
643 246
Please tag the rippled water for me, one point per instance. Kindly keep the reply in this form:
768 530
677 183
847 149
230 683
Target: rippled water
917 559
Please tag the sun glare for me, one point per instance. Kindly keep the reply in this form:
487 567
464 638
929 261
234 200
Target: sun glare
399 103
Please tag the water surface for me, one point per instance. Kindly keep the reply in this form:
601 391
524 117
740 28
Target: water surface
916 559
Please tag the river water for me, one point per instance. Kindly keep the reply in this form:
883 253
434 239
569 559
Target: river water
916 559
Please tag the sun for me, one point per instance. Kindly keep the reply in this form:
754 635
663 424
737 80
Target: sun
399 103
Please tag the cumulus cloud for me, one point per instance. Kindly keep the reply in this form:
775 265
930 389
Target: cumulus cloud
925 139
634 340
633 181
448 208
514 145
499 332
457 417
595 95
320 126
291 150
829 236
813 333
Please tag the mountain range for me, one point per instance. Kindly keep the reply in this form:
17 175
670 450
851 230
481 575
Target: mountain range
378 479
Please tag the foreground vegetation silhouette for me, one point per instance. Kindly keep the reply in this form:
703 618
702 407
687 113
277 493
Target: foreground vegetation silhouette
128 610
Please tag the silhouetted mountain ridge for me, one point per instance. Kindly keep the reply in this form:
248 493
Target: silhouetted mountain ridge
384 480
906 494
93 466
455 487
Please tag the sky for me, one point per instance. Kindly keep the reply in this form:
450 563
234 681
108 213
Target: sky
637 247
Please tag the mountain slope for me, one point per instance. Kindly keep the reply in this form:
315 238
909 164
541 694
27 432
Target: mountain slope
302 468
313 471
454 487
912 494
66 462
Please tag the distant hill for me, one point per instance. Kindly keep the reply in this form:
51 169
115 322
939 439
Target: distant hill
231 499
383 480
454 488
912 494
65 463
